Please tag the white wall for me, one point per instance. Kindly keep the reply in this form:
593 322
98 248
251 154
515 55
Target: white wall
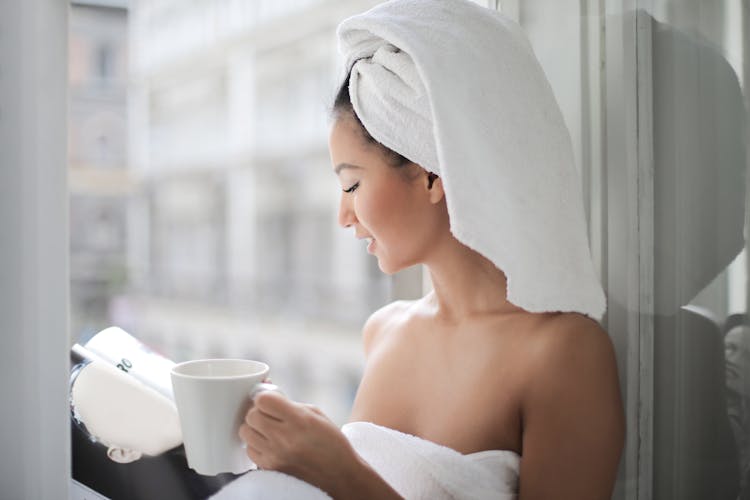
34 422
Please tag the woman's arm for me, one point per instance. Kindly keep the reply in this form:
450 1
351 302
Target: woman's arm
573 421
299 440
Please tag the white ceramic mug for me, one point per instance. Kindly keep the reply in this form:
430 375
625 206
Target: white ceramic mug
212 397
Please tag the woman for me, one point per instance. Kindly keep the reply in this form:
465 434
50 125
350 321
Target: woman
503 354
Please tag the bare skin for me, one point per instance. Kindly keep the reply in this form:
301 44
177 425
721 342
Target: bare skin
462 367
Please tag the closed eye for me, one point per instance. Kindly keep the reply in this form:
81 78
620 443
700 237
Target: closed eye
352 189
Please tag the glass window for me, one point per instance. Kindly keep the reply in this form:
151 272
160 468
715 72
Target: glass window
657 105
224 240
701 333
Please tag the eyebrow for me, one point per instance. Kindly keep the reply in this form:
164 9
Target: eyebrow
342 166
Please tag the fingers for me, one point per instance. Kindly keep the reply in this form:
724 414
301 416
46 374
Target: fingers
254 455
314 409
256 432
274 405
250 433
261 423
250 437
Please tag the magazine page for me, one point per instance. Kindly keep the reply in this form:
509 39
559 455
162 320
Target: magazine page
130 355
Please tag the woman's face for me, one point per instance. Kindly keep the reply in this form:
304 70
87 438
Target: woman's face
391 207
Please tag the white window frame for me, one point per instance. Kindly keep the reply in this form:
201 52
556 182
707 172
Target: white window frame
34 360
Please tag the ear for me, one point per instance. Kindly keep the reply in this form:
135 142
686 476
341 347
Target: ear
435 187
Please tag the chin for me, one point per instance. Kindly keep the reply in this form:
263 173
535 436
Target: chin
390 272
390 268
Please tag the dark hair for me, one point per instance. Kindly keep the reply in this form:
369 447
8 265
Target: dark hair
342 107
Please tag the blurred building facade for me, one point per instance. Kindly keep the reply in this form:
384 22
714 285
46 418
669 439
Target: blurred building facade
233 249
99 178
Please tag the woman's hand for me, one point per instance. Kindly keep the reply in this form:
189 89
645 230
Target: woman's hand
297 439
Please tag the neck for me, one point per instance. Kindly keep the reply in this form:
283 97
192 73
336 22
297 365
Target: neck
465 283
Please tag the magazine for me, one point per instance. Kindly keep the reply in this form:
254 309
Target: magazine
131 356
120 390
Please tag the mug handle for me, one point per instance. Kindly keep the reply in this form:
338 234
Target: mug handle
263 387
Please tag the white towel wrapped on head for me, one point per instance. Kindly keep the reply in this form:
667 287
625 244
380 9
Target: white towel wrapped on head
456 88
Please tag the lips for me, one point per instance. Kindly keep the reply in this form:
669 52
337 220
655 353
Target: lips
371 243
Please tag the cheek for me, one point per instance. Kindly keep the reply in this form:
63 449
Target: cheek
386 211
373 210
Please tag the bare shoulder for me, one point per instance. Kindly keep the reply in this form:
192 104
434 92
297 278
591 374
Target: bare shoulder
572 352
572 410
383 320
567 337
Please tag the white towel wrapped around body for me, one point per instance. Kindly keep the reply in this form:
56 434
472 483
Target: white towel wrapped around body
269 485
414 467
420 469
456 88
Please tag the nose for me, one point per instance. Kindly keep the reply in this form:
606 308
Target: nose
346 212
